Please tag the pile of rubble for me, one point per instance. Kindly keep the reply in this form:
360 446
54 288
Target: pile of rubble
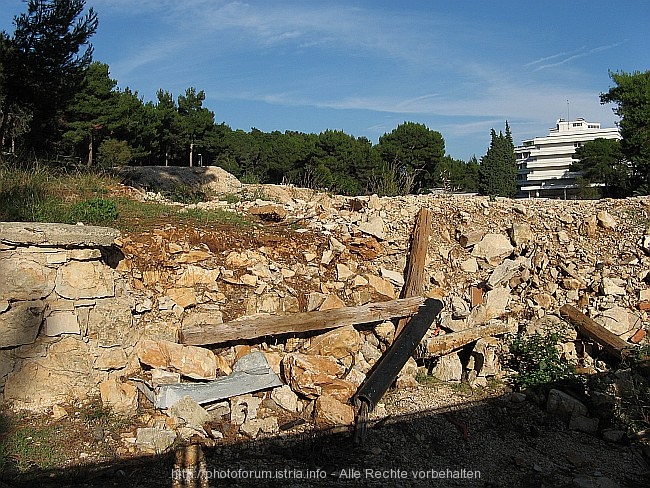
499 267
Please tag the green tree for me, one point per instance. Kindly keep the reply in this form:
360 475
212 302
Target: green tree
456 175
414 150
336 161
42 63
88 114
114 153
601 162
497 174
196 121
133 121
167 126
632 96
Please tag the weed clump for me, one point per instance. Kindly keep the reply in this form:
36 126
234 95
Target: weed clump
538 360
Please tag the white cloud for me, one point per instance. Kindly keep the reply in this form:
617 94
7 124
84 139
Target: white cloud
571 56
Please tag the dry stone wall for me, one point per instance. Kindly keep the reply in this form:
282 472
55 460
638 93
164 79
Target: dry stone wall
66 320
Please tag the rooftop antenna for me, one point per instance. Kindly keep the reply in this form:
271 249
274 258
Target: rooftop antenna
568 117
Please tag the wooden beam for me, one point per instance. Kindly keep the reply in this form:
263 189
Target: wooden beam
274 325
414 274
444 344
612 344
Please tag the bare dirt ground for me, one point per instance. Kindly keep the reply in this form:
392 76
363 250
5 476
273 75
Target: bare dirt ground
432 435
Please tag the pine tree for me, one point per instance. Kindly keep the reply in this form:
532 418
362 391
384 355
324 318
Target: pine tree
498 168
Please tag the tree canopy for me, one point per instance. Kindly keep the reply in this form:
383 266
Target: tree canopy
54 99
632 96
602 163
497 174
42 63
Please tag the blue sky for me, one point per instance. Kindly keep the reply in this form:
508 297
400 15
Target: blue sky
364 67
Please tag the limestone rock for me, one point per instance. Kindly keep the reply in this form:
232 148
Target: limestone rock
243 408
520 234
385 332
406 377
589 226
154 439
267 425
191 361
315 300
564 405
53 234
448 368
21 323
470 265
198 317
286 398
493 248
308 374
271 213
194 256
583 423
374 227
331 302
110 322
55 378
121 397
605 220
484 359
85 279
506 270
194 275
110 359
188 411
63 322
338 343
343 273
163 377
470 239
183 296
24 279
333 412
610 287
381 286
395 277
618 320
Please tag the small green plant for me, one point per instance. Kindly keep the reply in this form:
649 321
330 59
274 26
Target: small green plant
230 198
186 194
96 210
537 358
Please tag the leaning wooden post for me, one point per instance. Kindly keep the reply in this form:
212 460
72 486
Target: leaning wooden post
414 274
612 344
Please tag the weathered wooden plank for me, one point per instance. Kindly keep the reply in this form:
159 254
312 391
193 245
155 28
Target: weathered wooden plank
414 275
612 344
273 325
444 344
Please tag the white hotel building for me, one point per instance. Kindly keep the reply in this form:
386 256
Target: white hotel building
543 162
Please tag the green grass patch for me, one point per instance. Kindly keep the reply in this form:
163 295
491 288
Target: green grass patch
38 193
45 194
31 447
216 216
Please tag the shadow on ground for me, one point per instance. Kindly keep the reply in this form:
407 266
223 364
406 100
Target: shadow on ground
505 444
